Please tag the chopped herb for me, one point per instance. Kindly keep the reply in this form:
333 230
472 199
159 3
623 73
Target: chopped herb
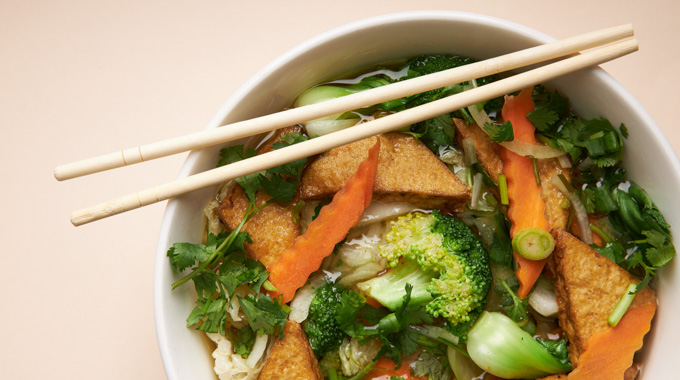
500 132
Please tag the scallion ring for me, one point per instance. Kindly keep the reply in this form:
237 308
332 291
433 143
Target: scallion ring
533 243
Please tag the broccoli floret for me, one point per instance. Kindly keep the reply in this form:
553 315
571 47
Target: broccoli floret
450 251
428 64
321 326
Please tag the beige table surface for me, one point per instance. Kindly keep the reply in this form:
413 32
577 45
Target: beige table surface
80 78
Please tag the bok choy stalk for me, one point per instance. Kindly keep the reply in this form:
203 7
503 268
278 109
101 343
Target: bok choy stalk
499 346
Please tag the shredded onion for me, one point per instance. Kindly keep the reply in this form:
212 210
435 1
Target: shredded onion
564 161
542 299
258 349
579 211
536 151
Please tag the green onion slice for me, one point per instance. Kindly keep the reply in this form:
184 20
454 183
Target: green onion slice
533 243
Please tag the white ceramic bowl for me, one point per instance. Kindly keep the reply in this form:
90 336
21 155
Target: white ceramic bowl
649 157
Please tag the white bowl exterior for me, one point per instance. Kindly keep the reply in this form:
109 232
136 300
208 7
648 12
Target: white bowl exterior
649 157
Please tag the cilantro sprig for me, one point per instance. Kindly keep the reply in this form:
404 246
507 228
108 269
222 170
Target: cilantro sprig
595 138
219 267
280 182
500 132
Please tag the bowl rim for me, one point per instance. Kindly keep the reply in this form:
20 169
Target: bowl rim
390 18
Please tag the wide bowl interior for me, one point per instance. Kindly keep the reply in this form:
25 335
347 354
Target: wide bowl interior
650 159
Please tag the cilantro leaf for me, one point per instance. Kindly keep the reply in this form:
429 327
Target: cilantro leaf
205 284
264 314
278 188
185 255
211 314
236 270
542 118
408 341
557 348
660 256
434 367
243 340
436 132
514 307
500 132
613 251
250 183
234 154
350 304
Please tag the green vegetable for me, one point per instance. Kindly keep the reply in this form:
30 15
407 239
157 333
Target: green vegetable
388 289
264 314
332 310
622 306
498 345
432 364
435 133
280 182
500 132
533 243
395 330
448 248
220 266
503 184
597 138
494 230
243 340
514 307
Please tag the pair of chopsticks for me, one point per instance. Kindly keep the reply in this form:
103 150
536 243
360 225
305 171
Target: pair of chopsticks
607 37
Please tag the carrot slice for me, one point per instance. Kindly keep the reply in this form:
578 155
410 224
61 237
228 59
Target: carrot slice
526 209
609 353
385 369
335 219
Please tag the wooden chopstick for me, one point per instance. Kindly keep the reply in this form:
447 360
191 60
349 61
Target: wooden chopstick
374 127
347 103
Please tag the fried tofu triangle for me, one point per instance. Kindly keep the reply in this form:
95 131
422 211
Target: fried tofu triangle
292 357
272 228
588 287
407 172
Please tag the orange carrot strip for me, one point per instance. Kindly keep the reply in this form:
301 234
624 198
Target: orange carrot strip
335 219
385 368
609 353
526 209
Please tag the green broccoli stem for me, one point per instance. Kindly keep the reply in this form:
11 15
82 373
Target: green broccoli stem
388 289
